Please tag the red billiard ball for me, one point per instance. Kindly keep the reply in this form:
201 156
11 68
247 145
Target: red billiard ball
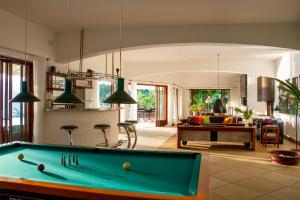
41 167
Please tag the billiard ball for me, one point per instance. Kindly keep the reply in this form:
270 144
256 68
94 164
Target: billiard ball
41 167
126 166
20 156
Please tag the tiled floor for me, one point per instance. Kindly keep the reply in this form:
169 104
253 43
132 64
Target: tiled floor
240 174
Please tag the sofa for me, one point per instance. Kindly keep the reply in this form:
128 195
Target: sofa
214 120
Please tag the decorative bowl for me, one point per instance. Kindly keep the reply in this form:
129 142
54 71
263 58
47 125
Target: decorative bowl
285 157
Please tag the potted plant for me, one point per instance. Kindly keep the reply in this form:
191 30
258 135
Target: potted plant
246 114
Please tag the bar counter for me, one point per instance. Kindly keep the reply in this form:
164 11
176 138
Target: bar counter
85 119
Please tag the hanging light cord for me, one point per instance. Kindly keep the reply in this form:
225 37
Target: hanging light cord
106 64
112 65
120 35
81 50
218 71
26 27
69 33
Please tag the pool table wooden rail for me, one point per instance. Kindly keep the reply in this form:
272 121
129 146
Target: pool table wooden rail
63 191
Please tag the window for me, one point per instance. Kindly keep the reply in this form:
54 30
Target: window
287 104
104 92
16 118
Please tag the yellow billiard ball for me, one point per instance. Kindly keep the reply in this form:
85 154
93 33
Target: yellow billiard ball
20 156
126 166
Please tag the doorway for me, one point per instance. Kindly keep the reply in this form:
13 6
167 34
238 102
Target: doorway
152 105
16 118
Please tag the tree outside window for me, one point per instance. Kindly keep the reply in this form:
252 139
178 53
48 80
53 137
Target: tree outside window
104 93
146 99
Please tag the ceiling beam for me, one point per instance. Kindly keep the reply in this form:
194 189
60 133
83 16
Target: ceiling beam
285 35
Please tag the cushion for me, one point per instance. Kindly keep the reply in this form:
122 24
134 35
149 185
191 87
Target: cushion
197 119
226 120
200 119
230 120
206 119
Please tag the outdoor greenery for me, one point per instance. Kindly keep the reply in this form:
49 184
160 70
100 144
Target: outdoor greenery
199 96
287 103
197 106
16 111
146 99
104 92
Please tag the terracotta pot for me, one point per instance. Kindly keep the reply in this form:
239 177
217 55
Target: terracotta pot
285 157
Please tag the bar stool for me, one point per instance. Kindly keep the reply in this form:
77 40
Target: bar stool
69 129
133 130
103 127
127 126
270 133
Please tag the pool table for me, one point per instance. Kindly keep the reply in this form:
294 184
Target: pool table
99 173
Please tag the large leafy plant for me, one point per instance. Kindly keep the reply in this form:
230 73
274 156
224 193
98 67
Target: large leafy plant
246 113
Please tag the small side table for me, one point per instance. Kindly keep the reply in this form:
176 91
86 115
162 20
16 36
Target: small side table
270 133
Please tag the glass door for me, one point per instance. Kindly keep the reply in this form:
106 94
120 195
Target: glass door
161 105
16 118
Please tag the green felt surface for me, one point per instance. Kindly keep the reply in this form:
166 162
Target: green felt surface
170 173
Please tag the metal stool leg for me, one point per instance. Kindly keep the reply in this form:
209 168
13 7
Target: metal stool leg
70 137
135 137
105 137
128 137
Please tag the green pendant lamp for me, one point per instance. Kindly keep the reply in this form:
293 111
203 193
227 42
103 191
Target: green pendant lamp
120 96
218 106
25 95
68 97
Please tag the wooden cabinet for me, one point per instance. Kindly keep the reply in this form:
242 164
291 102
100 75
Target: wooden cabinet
56 81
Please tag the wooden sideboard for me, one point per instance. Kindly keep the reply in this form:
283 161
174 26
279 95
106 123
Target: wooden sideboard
202 133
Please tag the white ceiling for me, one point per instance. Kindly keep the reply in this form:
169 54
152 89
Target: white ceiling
203 52
53 14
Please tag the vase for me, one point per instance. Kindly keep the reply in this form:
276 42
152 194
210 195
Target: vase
246 121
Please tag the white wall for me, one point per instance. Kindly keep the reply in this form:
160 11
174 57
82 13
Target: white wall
40 41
